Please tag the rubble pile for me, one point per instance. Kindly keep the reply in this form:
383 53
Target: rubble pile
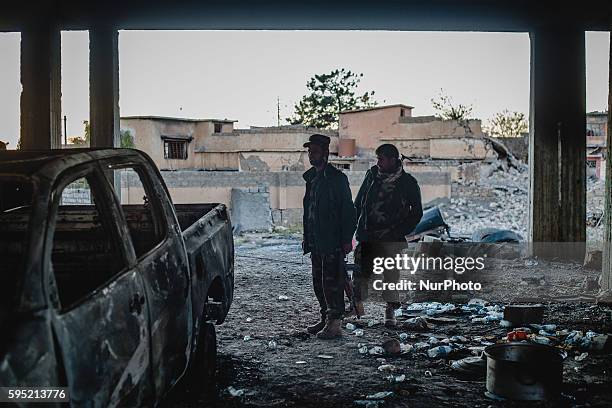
498 198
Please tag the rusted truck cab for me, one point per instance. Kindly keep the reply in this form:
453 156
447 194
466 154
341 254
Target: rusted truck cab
107 288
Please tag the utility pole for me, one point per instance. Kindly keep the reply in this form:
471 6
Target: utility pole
65 132
278 111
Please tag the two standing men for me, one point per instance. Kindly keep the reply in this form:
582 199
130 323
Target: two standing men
387 207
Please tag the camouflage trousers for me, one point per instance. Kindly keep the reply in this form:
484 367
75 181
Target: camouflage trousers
362 281
328 283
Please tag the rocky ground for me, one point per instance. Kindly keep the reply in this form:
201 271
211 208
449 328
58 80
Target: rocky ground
267 359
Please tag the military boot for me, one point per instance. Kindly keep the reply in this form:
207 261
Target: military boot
315 328
359 309
390 320
332 330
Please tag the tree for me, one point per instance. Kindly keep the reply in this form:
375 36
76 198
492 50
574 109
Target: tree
447 109
126 139
330 94
507 124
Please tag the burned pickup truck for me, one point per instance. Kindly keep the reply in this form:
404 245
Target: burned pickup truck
106 287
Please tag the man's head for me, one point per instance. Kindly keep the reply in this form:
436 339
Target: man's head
318 149
387 157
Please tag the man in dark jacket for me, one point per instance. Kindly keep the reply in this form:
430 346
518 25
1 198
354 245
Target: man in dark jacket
329 224
388 205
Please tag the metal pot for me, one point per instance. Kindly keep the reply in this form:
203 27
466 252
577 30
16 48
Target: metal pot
524 371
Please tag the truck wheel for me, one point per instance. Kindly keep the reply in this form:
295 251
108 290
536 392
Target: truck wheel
202 378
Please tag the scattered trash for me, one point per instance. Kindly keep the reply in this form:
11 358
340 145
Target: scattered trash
283 298
406 348
247 338
372 323
416 324
541 340
439 351
301 362
380 395
531 262
505 323
581 357
325 356
386 368
477 302
421 346
431 308
396 378
350 327
235 392
376 351
272 344
368 403
392 346
428 373
403 336
249 319
517 335
363 350
358 332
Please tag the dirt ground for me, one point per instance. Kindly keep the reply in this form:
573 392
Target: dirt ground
267 359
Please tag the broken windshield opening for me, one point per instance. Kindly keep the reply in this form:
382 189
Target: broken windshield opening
15 210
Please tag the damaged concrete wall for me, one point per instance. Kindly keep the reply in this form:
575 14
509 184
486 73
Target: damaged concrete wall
285 190
518 146
250 209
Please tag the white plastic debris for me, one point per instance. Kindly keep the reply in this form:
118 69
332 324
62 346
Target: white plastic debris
301 362
247 337
325 356
358 332
249 319
385 368
376 351
235 392
403 336
363 350
581 357
439 351
350 327
272 344
283 298
405 348
380 395
396 378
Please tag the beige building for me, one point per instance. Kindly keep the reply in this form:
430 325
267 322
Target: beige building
415 137
214 144
431 143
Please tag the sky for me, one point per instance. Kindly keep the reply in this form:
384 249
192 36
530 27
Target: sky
240 75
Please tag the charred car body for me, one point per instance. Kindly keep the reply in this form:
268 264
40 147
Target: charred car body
107 288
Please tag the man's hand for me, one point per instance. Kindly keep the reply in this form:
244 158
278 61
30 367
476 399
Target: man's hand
347 248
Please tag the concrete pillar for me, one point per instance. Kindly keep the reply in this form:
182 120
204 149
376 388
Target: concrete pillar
104 87
557 144
41 95
606 279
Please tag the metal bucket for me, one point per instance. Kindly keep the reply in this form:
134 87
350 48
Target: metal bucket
524 371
